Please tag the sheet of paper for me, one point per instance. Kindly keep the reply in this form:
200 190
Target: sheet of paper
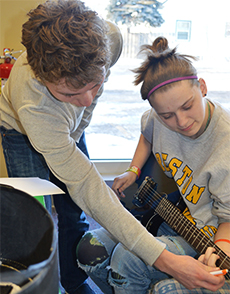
32 186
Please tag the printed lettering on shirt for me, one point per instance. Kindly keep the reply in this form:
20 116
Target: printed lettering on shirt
194 194
209 231
186 173
174 165
187 214
164 157
184 189
158 158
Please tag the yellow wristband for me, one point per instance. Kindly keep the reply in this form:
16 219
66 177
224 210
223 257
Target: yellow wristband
135 170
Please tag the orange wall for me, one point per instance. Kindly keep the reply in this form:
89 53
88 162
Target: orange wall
12 16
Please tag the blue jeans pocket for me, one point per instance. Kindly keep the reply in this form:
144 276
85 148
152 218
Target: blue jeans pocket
22 160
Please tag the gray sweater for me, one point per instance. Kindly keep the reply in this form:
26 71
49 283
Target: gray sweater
53 127
200 167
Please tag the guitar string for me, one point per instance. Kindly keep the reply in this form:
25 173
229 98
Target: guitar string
203 236
155 200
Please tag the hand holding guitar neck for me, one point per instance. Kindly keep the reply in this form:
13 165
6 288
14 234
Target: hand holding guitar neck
147 194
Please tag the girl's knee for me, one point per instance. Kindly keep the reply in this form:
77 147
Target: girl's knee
125 265
122 259
91 251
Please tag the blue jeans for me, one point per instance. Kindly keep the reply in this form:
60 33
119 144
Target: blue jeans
135 276
22 160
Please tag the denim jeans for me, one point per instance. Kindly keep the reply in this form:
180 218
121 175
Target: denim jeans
135 275
22 160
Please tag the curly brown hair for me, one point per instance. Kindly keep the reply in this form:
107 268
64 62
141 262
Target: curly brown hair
65 39
162 64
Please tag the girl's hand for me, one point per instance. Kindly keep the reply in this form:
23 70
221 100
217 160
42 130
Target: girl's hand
209 258
122 182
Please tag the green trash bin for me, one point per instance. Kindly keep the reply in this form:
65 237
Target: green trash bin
28 245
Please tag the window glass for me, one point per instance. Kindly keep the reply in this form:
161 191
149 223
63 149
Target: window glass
183 30
201 30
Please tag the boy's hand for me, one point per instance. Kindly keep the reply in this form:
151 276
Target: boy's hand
189 272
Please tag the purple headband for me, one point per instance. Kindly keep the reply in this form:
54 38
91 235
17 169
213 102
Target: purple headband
169 82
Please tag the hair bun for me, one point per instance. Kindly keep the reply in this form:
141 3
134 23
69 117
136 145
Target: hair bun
160 44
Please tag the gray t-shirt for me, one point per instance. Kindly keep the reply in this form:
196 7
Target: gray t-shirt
200 167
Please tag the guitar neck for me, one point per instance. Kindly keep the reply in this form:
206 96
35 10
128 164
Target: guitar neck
198 240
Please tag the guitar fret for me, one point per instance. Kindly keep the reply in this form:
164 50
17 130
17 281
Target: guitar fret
202 250
169 212
222 260
165 214
184 222
194 238
185 229
174 219
204 243
171 217
187 225
177 223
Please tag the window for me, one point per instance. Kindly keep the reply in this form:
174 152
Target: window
227 30
183 30
115 127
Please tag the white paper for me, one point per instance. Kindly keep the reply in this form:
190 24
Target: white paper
32 186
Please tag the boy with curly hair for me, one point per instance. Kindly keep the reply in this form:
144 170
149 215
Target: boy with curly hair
47 103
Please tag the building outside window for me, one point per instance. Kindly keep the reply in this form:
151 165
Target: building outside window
227 30
183 30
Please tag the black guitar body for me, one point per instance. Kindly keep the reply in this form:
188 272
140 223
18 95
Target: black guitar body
152 221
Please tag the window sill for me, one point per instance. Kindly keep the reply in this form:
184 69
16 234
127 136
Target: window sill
109 169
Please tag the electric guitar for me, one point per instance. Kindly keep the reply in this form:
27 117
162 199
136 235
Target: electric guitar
147 195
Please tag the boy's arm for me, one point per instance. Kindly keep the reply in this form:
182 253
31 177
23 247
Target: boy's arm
177 266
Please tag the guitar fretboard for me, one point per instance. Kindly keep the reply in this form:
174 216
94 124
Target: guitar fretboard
178 222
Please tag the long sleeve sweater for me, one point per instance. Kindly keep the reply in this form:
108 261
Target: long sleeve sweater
53 127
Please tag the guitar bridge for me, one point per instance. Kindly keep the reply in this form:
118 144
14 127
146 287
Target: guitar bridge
146 187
